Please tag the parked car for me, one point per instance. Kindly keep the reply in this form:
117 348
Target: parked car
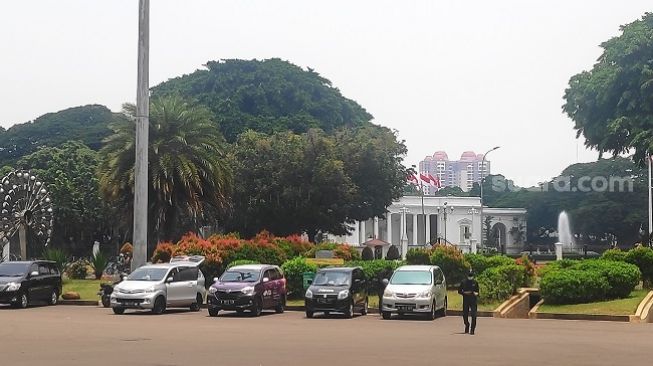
22 283
252 287
337 290
415 290
157 287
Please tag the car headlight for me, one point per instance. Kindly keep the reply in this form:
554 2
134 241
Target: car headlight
13 286
212 290
388 293
309 294
118 290
150 290
249 290
343 294
425 295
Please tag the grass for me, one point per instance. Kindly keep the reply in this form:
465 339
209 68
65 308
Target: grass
625 306
455 302
87 289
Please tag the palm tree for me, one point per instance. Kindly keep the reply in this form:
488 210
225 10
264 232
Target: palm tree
188 175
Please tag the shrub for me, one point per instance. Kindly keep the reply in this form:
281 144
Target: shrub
77 270
555 266
99 263
294 270
622 277
480 262
241 262
163 252
343 251
418 256
127 249
258 251
292 245
573 286
614 255
376 270
643 258
367 254
452 262
393 253
58 256
499 283
529 269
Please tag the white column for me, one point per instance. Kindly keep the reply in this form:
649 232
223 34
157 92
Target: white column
427 222
361 233
389 223
376 228
403 238
415 229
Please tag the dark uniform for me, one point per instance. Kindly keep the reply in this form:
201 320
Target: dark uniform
469 290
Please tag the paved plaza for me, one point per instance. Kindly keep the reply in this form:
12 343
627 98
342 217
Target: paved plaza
74 335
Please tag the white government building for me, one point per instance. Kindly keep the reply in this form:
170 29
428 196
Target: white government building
455 220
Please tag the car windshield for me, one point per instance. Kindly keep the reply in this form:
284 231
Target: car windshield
332 278
147 274
411 278
8 269
240 276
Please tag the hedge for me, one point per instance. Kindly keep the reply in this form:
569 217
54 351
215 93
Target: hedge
451 261
342 251
499 283
573 286
418 256
480 262
376 270
622 277
642 257
294 270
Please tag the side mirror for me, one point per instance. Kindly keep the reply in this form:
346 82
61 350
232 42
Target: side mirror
385 282
169 279
310 282
216 279
265 279
34 274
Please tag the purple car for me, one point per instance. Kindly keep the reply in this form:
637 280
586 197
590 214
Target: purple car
252 287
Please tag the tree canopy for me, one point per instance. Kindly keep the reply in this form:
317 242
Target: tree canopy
266 96
612 104
87 124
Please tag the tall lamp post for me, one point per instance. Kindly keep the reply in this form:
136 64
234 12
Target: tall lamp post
445 210
472 211
483 174
142 127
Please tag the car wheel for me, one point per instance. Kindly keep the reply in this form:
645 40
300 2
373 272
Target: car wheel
432 313
23 301
197 304
118 311
386 315
213 311
309 314
281 306
106 301
349 313
159 305
54 297
365 307
443 311
258 308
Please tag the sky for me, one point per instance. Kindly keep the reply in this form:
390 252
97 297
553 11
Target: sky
447 75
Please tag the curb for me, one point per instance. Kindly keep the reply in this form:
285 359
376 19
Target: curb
78 302
533 314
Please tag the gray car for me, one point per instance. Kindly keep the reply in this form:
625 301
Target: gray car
157 287
415 290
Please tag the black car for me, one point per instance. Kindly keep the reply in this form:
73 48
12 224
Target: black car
22 283
338 290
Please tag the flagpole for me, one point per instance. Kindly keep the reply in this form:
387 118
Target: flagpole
426 240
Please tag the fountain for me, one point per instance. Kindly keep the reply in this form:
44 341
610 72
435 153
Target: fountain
566 241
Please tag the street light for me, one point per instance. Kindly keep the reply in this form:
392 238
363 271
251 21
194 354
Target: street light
445 211
482 180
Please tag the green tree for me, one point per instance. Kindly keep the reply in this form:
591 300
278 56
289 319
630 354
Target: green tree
611 104
266 96
188 173
288 183
80 215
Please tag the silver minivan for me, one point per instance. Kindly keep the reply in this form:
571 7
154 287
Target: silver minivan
415 290
156 287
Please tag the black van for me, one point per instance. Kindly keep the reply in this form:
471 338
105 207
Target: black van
22 283
339 290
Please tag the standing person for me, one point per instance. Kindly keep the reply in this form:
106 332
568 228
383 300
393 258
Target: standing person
469 290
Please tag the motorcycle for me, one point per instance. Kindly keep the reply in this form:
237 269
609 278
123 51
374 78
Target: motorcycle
106 290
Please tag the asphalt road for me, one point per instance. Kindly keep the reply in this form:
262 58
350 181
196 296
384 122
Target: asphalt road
71 335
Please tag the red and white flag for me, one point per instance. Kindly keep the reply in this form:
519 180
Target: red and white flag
435 181
425 179
412 179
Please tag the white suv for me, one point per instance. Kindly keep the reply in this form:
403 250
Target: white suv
415 290
179 283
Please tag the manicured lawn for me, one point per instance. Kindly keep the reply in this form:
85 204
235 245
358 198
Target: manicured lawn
455 302
625 306
87 289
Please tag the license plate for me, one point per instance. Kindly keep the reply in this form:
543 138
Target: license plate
322 300
130 303
405 307
227 302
